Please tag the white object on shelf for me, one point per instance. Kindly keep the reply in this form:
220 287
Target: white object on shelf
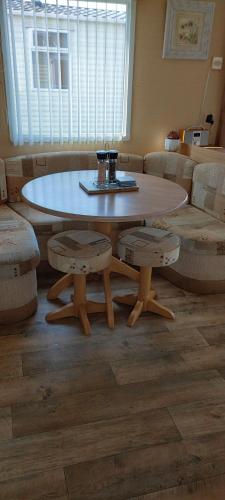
172 144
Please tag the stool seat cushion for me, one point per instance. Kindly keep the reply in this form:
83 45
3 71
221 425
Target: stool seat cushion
79 252
145 246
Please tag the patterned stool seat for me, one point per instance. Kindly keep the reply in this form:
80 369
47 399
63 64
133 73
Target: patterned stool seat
146 246
78 253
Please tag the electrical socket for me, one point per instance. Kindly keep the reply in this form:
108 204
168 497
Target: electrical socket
217 63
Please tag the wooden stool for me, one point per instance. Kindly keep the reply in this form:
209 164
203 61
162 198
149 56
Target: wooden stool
78 253
147 247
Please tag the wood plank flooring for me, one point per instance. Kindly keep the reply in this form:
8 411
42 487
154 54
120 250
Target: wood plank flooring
129 414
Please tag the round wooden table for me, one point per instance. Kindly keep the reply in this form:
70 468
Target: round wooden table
60 194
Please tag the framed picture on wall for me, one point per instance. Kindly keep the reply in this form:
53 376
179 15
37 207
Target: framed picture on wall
188 29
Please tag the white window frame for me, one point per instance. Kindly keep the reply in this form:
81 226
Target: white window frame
44 49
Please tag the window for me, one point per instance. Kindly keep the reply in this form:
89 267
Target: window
58 57
68 69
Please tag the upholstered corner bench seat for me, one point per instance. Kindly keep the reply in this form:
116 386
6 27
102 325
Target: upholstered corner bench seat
19 257
202 249
198 231
200 226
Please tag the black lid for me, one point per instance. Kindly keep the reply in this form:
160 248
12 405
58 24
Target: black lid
113 154
102 154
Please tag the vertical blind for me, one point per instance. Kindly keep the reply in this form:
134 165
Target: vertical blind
68 69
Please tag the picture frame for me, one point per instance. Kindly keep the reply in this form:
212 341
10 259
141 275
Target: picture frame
188 29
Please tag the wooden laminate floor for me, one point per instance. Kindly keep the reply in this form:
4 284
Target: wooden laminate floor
130 414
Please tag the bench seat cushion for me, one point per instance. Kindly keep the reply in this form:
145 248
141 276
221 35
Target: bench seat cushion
19 251
201 265
46 225
19 257
198 231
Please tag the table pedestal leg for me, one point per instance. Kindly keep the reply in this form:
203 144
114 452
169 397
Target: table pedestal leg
117 266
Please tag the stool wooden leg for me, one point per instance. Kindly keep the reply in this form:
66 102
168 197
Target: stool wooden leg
135 313
59 286
155 307
95 307
144 285
108 298
145 300
143 295
129 299
80 302
64 312
82 312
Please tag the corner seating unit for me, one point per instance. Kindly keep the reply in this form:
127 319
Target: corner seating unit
201 267
200 226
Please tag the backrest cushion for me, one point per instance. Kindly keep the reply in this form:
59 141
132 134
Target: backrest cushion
172 166
3 188
21 169
208 191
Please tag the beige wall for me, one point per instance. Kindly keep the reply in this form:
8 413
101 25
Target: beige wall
167 94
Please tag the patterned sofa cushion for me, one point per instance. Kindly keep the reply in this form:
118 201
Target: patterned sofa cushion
46 225
19 253
209 189
172 166
21 169
3 188
199 232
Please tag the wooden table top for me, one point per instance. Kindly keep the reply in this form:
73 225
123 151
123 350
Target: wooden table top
60 194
